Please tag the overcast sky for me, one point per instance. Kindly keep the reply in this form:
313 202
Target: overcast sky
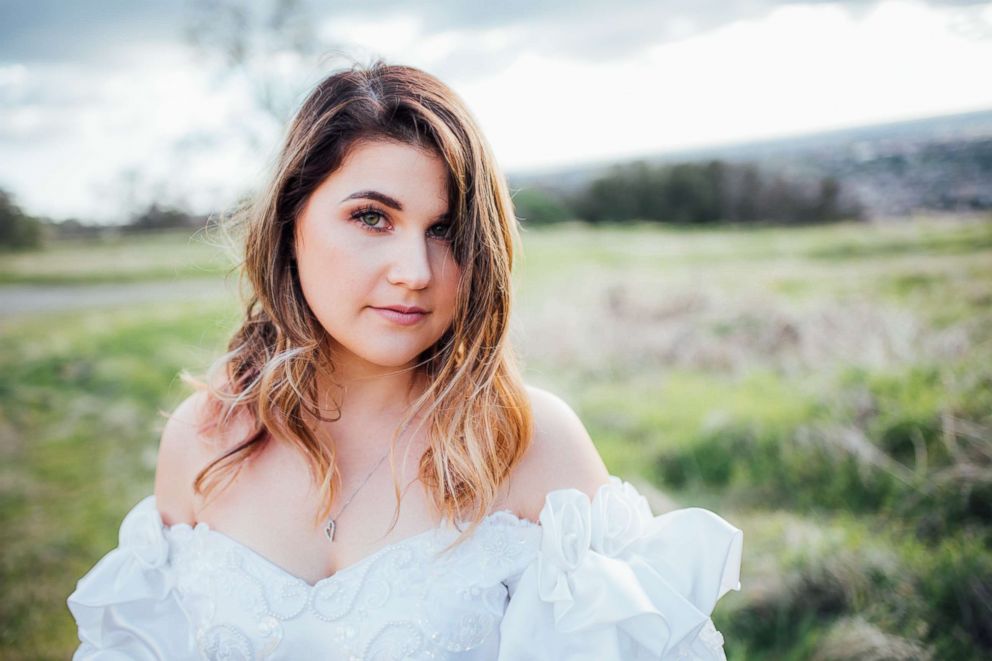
106 105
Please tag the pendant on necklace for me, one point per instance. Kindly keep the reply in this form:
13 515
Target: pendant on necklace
329 530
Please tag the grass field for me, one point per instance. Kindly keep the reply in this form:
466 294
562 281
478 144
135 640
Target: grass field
826 389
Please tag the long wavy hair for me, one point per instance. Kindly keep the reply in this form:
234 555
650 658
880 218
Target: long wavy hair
476 407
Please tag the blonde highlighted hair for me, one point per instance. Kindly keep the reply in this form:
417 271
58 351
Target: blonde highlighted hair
476 408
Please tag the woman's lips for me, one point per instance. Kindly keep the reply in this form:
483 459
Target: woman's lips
401 318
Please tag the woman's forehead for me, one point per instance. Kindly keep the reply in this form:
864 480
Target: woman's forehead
396 170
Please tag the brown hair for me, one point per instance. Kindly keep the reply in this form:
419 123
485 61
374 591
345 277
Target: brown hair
478 412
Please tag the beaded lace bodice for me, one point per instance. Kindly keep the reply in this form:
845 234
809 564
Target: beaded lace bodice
436 604
601 579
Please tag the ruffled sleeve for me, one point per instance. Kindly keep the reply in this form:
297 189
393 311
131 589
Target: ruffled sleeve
126 606
612 581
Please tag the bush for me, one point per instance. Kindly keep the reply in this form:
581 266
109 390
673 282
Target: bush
847 588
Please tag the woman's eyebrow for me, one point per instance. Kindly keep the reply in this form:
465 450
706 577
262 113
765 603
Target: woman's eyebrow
377 196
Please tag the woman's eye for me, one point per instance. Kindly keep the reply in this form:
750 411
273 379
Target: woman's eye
443 231
369 218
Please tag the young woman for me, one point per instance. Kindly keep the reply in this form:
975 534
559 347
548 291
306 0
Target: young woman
364 475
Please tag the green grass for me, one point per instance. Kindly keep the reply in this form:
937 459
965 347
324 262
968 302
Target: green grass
81 396
827 389
142 257
652 242
887 440
833 568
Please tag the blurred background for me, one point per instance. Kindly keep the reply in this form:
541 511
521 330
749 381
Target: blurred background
757 262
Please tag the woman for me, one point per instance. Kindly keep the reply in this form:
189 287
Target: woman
379 264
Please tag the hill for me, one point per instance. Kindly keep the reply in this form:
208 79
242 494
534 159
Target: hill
895 169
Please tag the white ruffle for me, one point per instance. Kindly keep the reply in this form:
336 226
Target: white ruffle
126 606
612 581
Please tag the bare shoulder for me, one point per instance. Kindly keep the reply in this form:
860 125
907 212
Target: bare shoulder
561 456
183 451
179 450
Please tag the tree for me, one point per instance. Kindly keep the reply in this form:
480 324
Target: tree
270 45
710 192
534 206
160 218
17 229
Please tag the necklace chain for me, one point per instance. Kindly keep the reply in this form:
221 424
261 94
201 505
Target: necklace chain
331 526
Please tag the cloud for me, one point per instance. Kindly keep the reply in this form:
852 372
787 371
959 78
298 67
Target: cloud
81 31
91 31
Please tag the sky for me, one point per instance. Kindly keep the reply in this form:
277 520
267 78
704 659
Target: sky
109 105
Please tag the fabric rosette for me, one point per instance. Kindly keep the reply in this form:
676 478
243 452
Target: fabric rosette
618 581
126 606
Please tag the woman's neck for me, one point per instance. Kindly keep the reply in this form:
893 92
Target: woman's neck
358 394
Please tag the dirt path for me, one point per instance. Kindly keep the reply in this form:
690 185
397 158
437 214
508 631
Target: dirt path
36 299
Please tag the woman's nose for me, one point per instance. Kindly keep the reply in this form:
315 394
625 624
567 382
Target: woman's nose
411 264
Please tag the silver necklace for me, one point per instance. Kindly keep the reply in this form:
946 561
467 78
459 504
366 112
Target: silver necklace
331 526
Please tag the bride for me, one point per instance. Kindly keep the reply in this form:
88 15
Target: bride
364 475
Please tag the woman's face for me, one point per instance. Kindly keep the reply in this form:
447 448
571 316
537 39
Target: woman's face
374 235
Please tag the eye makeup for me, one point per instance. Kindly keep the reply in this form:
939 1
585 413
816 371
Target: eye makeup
360 215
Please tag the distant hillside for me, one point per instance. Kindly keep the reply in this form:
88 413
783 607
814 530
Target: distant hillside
938 163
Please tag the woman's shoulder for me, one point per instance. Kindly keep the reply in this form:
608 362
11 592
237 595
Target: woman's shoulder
561 455
187 445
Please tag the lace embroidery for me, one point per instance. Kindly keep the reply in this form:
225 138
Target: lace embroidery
240 603
226 642
710 637
711 641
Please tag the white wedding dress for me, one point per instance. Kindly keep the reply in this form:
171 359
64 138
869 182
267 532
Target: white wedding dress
603 580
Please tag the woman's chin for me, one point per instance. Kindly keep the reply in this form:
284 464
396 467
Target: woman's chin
393 359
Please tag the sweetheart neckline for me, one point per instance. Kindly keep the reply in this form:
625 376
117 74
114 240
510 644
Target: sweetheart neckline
444 527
